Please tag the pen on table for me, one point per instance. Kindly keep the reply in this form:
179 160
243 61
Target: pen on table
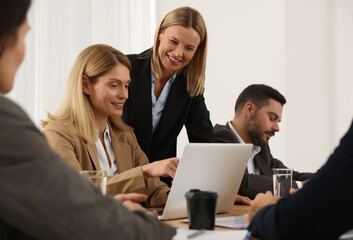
195 234
248 235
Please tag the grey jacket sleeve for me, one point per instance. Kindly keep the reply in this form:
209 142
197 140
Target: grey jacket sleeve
43 198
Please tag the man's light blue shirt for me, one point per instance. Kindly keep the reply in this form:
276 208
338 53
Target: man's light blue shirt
158 105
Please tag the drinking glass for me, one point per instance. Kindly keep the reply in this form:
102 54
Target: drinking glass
282 181
98 178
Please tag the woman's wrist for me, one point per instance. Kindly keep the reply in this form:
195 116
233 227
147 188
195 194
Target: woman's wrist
144 169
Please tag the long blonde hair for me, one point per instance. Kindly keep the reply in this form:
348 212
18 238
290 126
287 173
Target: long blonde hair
93 62
194 72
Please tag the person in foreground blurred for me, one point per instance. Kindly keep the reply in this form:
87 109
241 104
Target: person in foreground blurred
87 131
166 91
322 209
41 196
258 112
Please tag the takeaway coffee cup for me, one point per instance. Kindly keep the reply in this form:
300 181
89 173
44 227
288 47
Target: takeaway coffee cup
201 206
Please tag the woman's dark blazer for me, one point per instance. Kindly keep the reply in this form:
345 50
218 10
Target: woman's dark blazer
180 109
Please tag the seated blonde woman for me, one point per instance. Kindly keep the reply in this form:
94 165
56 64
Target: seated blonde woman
87 131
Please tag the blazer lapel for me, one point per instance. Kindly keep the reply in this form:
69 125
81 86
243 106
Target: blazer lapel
91 148
140 91
122 151
177 98
262 164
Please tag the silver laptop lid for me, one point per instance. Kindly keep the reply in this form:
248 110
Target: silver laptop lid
216 167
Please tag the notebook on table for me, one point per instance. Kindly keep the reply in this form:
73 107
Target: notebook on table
216 167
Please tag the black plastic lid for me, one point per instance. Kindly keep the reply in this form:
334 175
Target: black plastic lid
196 193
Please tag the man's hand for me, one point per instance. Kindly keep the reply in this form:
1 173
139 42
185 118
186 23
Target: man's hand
305 181
242 200
261 200
161 168
132 206
132 202
293 190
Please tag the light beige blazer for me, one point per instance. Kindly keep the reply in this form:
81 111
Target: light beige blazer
64 139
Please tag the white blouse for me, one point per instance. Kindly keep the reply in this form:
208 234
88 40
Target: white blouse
102 156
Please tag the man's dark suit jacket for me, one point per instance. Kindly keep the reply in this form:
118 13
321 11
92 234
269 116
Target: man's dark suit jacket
322 209
180 109
253 184
41 197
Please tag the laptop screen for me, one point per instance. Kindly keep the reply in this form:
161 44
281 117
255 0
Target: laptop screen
215 167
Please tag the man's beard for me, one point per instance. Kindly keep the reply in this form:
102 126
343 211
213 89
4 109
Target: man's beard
256 135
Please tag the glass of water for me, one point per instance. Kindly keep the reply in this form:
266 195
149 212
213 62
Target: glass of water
282 181
98 178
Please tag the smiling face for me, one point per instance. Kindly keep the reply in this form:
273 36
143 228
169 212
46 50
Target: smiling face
265 122
177 47
12 57
109 93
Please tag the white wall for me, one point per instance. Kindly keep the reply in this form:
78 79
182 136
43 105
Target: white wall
341 59
308 79
301 47
319 52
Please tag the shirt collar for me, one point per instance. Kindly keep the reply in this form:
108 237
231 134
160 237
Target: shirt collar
235 132
171 79
256 149
106 133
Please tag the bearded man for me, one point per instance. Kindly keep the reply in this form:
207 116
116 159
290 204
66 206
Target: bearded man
258 112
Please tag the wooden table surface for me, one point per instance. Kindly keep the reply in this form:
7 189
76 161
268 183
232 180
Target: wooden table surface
235 211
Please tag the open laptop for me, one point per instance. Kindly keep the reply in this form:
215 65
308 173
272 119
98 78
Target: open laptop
216 167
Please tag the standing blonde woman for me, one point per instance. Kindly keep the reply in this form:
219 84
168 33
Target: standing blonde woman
87 131
166 92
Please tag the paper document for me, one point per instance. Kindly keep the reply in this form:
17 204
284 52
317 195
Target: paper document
236 222
182 234
347 235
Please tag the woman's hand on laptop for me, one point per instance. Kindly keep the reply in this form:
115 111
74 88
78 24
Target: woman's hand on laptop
161 168
132 202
